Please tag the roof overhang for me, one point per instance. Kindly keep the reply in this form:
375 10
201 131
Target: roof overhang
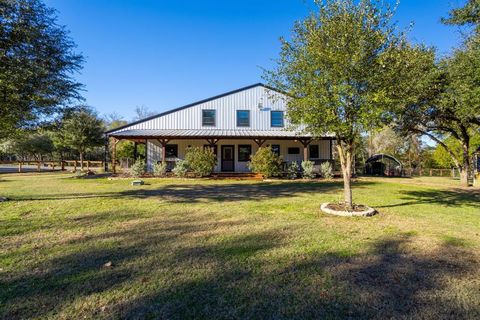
211 133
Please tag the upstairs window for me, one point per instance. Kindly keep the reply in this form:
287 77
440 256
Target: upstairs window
208 118
243 118
276 118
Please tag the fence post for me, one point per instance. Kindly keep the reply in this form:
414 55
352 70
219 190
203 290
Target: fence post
88 165
430 172
75 166
39 164
19 166
62 164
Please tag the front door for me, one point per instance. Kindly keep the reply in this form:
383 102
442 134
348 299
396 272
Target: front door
228 158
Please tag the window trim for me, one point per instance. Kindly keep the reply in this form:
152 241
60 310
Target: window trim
238 152
214 118
271 119
249 118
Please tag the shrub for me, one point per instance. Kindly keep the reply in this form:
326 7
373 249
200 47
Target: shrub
326 170
201 161
292 170
265 162
307 167
138 168
160 169
181 168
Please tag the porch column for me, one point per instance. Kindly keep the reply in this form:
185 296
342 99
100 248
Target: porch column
105 156
305 143
114 155
163 143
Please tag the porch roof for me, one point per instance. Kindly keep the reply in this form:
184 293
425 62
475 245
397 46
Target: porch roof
209 133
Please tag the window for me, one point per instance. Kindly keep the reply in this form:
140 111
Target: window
171 150
243 118
215 149
276 149
314 152
244 152
208 118
294 150
276 118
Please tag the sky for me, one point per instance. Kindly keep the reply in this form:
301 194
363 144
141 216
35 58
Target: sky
163 54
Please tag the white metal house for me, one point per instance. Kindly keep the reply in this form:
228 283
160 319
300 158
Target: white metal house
234 124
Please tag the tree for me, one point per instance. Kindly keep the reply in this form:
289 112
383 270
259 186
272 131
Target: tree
142 112
453 108
37 64
82 131
31 145
469 14
344 68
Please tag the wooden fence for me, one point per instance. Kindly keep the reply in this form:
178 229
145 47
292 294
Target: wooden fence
429 172
55 164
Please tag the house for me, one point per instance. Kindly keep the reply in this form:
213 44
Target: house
234 124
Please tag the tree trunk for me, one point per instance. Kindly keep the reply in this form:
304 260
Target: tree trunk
466 167
81 161
346 157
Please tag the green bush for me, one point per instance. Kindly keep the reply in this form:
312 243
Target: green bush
160 169
181 168
292 170
326 170
201 161
266 163
138 168
307 167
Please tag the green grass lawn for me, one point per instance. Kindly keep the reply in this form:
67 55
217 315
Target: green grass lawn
229 249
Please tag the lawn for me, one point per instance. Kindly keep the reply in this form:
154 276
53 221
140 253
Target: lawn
179 249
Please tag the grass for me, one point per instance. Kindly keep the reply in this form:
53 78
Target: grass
203 249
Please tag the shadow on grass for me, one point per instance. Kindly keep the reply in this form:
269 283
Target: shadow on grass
194 267
449 198
191 193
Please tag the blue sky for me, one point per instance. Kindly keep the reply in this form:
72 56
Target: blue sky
164 54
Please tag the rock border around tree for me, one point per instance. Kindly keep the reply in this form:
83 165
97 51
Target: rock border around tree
366 212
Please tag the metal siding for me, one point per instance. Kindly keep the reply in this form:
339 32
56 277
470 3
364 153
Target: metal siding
191 118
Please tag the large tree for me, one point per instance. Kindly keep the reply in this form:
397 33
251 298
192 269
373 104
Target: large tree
82 131
468 15
344 68
37 64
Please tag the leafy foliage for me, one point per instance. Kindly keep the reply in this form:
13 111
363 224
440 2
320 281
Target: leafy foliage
469 14
82 130
346 68
308 169
181 168
160 169
201 161
138 169
293 170
37 65
265 162
31 145
326 170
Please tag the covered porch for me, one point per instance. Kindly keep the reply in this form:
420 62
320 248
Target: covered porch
232 147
